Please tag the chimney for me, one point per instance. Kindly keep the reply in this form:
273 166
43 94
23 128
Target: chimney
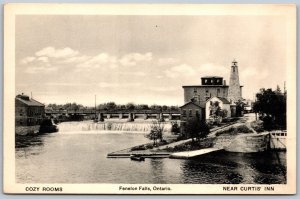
224 82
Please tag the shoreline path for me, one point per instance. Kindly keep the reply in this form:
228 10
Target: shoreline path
157 152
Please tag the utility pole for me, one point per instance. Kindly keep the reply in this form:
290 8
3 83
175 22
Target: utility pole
95 107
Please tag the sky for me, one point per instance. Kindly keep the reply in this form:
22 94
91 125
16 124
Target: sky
144 59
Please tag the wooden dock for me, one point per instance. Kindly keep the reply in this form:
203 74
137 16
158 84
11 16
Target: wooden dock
191 154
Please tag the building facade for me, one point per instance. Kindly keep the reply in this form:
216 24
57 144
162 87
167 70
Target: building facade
28 112
192 110
215 86
211 86
221 102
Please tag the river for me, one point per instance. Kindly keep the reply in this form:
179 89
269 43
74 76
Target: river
79 156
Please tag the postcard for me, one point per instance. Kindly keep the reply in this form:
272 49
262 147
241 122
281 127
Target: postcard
149 99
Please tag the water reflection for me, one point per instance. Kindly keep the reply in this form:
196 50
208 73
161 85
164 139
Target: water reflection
81 158
28 140
235 168
157 170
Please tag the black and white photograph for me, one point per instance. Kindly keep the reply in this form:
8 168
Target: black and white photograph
150 99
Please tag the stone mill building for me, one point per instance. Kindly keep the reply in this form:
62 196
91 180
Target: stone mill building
212 87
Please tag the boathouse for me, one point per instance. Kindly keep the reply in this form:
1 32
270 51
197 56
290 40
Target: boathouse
192 110
28 112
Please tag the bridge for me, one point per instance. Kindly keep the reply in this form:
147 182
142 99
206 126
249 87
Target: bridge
101 115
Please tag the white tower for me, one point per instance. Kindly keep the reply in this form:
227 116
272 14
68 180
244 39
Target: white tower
234 90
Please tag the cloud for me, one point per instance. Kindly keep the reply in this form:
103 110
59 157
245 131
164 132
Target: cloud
167 61
162 89
77 59
40 69
213 69
132 58
27 60
43 59
49 58
134 73
100 60
118 85
57 53
250 72
180 70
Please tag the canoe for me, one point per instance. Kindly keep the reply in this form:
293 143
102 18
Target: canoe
137 158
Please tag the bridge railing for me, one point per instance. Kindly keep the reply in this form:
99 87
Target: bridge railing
112 111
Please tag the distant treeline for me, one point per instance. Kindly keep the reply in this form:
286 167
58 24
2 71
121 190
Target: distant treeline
111 106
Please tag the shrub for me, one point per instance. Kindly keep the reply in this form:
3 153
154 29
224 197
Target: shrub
257 126
242 129
175 127
138 148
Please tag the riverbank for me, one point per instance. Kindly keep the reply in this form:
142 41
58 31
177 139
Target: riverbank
165 150
237 136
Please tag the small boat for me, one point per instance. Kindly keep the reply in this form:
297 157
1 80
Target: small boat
137 158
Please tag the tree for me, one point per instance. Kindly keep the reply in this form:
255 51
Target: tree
164 108
175 128
142 107
217 114
239 108
271 106
111 106
130 106
196 129
156 131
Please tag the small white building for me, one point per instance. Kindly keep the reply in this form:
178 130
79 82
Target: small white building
223 103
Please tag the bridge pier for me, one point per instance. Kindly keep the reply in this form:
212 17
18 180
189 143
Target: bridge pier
161 117
157 116
170 116
108 116
100 117
121 116
130 117
146 116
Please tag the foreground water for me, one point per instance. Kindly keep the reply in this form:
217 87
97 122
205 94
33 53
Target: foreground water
80 157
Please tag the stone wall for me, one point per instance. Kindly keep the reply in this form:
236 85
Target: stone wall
222 141
201 92
25 130
248 143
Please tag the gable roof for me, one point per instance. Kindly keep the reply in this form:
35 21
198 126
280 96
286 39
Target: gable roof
222 99
200 105
30 102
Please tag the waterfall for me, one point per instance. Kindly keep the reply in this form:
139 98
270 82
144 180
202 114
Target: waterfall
109 126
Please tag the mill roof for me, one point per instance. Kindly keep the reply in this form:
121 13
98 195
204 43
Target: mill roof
211 77
199 104
27 101
199 86
222 99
